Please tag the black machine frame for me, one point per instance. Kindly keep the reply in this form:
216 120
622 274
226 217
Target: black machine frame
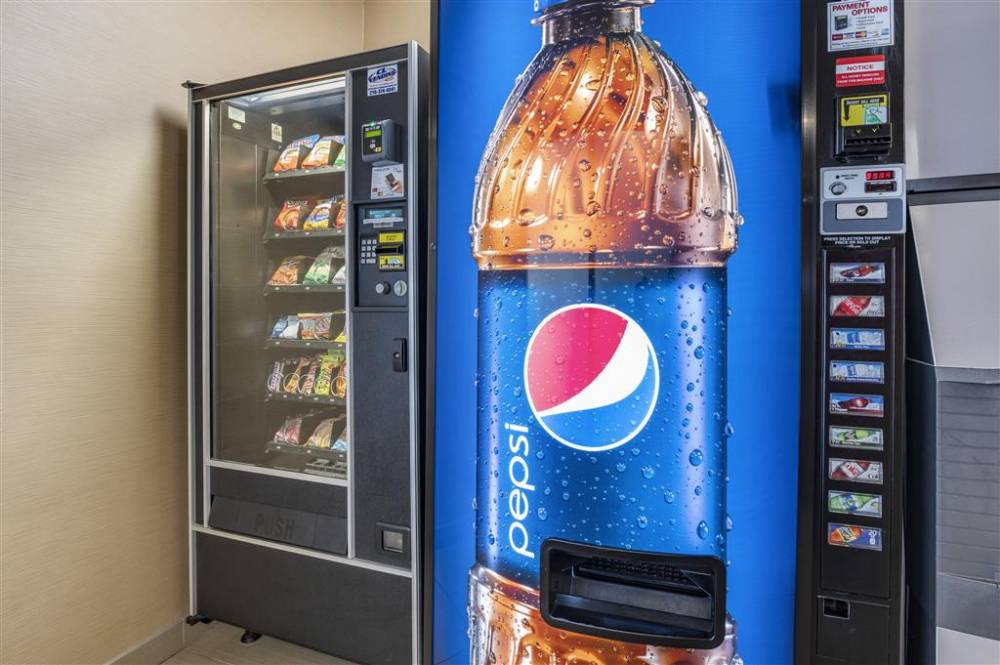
265 585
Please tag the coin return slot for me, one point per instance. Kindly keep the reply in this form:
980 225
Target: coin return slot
836 608
639 597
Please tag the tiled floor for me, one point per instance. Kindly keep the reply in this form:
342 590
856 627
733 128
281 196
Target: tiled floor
219 643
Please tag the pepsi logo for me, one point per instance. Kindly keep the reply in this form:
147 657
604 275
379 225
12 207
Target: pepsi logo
591 377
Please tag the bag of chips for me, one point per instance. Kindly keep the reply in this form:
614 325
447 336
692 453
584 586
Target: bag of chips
292 380
321 435
340 277
291 330
319 218
340 158
341 219
342 442
292 155
340 383
279 327
290 431
323 153
290 271
290 216
342 337
315 326
319 272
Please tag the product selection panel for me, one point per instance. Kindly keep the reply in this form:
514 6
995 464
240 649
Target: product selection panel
381 256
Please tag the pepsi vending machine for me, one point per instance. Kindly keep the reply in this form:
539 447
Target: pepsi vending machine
613 341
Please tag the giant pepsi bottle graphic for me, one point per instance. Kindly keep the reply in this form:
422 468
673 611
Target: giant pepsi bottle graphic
605 211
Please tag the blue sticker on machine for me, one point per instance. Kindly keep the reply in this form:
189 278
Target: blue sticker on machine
857 339
850 371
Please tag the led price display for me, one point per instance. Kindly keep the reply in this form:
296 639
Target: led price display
879 175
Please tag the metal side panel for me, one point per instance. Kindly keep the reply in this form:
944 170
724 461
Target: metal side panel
347 611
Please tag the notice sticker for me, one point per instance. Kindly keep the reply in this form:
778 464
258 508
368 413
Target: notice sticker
865 438
387 182
864 110
860 70
855 537
383 80
276 132
854 503
856 471
857 24
239 115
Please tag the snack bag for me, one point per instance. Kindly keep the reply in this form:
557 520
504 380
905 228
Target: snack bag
290 216
309 380
274 381
341 219
279 327
322 153
319 218
319 272
293 153
342 337
291 330
290 431
321 435
290 271
340 277
292 380
340 158
340 383
340 445
315 326
324 380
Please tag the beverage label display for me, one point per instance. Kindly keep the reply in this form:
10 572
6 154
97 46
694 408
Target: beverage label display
856 437
857 273
863 306
855 537
856 471
857 405
850 371
854 503
858 339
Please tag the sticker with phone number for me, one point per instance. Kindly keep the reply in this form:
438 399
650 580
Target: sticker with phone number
854 537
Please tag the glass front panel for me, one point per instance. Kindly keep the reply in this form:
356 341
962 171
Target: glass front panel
279 278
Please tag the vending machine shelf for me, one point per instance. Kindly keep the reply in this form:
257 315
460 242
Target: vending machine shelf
307 399
304 288
308 451
272 343
336 172
300 235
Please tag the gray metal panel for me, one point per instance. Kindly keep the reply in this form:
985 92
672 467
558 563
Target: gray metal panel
957 245
968 480
952 87
969 606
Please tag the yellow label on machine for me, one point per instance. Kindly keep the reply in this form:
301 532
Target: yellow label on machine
390 238
864 110
391 262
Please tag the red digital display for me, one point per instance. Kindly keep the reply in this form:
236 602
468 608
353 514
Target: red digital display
879 175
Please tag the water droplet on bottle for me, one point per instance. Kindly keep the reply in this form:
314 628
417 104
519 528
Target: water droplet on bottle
729 430
584 165
593 85
668 496
526 217
729 522
667 241
586 233
593 207
690 387
699 352
642 521
703 529
701 97
546 242
697 490
620 467
659 103
696 457
542 514
648 472
565 496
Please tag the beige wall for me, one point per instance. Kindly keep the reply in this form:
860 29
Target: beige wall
391 22
93 486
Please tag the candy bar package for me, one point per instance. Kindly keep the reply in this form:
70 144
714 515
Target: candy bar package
293 379
319 218
319 272
294 152
291 328
290 216
290 271
340 383
340 153
341 276
321 435
309 380
276 379
324 380
315 326
342 337
327 148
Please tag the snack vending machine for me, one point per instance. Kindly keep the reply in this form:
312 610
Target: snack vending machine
307 223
